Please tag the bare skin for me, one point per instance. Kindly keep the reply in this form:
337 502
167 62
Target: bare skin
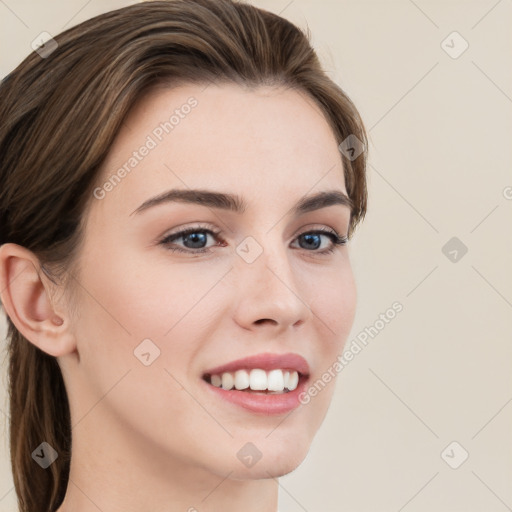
152 438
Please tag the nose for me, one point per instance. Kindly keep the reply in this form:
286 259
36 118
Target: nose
270 293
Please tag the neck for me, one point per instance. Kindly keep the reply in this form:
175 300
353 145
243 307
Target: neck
115 472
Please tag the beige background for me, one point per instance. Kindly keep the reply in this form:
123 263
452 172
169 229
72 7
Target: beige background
440 130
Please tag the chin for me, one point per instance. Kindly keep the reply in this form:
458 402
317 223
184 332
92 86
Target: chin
272 465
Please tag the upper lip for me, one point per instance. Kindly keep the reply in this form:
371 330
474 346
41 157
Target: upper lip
266 361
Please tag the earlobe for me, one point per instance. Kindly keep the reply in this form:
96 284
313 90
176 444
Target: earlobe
26 298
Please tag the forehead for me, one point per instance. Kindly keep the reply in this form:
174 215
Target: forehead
259 141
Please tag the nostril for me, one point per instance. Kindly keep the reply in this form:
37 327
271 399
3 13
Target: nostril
261 320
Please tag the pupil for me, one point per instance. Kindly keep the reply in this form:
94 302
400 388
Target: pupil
195 238
309 240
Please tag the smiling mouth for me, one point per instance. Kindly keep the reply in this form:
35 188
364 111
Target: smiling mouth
207 378
257 381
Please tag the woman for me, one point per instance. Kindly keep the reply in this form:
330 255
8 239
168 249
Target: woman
179 183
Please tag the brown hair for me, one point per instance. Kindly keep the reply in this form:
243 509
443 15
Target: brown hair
59 116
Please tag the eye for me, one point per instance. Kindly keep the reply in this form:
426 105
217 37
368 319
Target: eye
313 239
195 238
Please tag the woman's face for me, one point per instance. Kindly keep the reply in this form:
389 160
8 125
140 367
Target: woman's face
152 321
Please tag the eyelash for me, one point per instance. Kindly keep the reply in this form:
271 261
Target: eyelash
336 240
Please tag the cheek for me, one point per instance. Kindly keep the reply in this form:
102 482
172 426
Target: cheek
334 311
148 297
128 301
334 306
132 300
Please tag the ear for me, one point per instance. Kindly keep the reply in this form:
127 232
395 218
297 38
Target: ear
26 298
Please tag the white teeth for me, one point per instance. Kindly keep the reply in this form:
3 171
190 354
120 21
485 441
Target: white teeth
286 378
275 380
227 380
293 381
241 379
257 380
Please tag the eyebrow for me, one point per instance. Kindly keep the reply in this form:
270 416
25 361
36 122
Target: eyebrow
234 203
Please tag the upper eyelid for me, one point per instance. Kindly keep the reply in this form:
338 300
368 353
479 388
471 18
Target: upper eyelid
192 228
218 232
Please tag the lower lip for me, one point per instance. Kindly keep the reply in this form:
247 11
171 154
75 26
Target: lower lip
265 403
